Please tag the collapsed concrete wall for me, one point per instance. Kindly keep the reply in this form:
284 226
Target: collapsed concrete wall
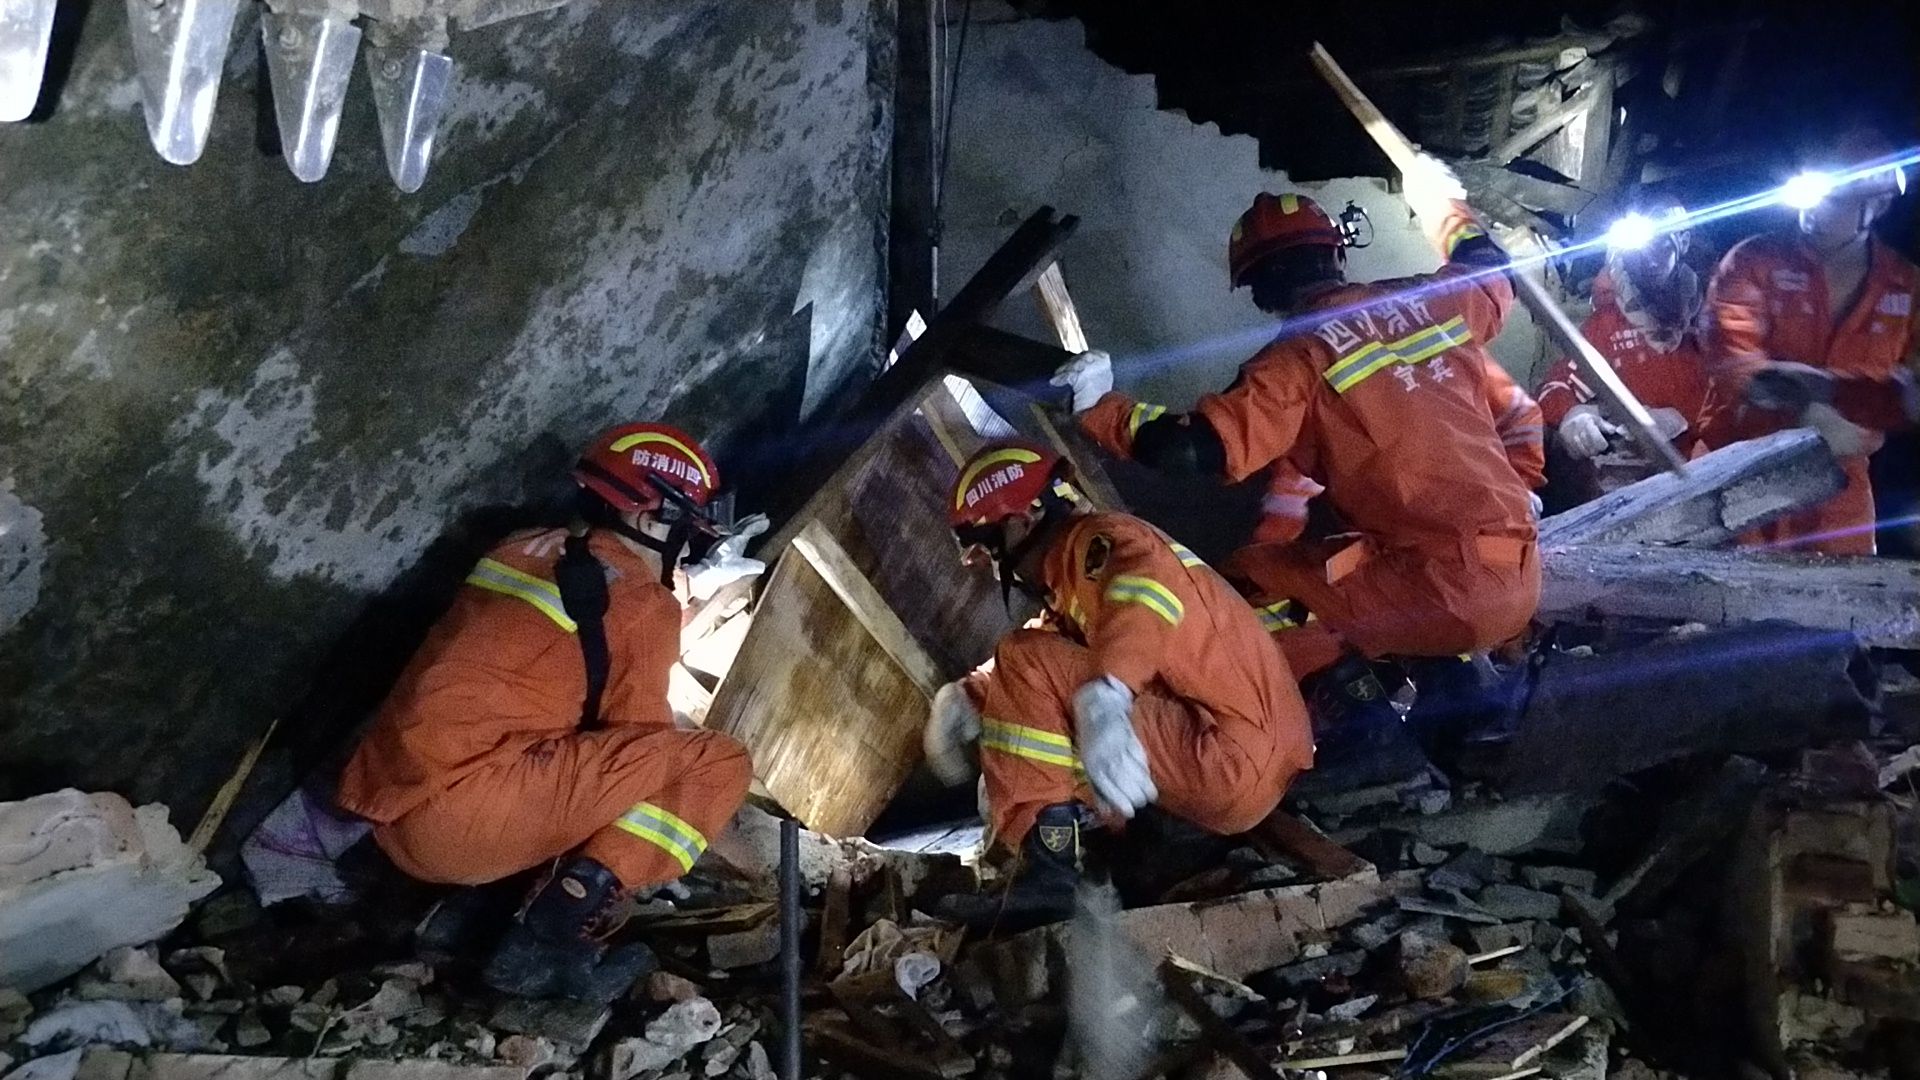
1042 120
234 408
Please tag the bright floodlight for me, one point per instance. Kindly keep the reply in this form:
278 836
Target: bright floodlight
1631 232
1807 190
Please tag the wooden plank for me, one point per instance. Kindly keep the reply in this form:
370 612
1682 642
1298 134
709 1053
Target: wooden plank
1369 1057
1544 126
1725 493
223 800
832 722
1058 307
1878 600
1531 192
1597 139
1285 836
816 545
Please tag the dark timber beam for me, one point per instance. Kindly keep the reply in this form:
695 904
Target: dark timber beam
911 281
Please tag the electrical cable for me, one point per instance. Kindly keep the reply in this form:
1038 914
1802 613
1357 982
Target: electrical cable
946 123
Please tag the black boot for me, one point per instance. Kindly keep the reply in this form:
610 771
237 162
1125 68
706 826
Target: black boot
1051 859
556 947
1359 739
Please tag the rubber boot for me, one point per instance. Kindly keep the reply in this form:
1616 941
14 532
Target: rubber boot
1359 738
556 946
1051 860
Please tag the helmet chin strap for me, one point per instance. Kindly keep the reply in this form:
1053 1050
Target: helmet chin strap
1053 510
670 546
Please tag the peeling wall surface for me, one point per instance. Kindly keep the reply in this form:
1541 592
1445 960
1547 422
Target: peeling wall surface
1042 120
234 408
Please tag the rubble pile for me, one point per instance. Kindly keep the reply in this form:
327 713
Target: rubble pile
1694 920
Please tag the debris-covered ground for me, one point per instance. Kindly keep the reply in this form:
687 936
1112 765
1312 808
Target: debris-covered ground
1716 917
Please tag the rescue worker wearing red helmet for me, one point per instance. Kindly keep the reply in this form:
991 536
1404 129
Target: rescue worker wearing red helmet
1152 684
1813 327
532 727
1381 393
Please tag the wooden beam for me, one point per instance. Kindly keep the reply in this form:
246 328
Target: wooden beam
1056 303
816 545
1285 836
1723 494
1598 136
1529 191
1877 600
1013 266
1544 126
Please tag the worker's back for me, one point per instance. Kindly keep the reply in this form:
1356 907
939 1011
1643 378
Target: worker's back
1387 383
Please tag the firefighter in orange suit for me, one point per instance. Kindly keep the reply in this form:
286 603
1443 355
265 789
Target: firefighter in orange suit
1153 683
1646 324
1812 327
1379 392
532 727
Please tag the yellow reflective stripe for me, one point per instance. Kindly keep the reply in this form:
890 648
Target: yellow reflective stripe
1277 616
503 579
1046 747
666 830
1460 235
1423 345
1141 414
1148 593
1289 203
1185 554
988 461
631 441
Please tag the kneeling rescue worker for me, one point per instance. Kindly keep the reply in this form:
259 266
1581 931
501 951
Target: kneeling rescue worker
532 727
1379 393
1152 683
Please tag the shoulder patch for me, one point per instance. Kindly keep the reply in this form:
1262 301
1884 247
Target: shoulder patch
1098 549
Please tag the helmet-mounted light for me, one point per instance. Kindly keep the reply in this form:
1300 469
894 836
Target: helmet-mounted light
1808 189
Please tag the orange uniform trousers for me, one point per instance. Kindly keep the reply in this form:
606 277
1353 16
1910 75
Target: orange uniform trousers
1391 603
1222 773
641 801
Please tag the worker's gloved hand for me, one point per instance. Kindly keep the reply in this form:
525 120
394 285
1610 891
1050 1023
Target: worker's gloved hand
1789 387
726 561
1535 504
1111 753
1844 437
1584 432
953 724
1670 423
1089 375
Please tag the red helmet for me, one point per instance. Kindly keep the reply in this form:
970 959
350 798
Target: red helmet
1275 223
1000 481
623 466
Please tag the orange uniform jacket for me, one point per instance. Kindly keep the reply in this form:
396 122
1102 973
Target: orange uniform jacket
1768 301
1662 378
1385 390
1215 706
502 671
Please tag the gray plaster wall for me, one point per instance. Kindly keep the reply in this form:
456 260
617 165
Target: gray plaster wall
1042 120
235 411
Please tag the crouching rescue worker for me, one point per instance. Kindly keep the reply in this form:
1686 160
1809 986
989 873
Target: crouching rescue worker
1379 393
1152 683
533 728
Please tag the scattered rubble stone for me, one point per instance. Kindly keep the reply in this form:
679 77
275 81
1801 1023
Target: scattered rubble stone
15 1009
568 1023
227 915
128 974
249 1031
1429 967
283 995
102 875
1509 902
744 948
666 987
528 1053
416 1069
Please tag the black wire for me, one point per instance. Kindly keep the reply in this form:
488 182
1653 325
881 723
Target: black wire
946 123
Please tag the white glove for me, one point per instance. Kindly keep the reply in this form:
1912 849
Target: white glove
1584 432
726 562
1089 375
953 725
1111 753
1536 504
1844 437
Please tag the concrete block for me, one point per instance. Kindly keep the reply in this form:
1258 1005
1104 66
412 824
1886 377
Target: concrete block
746 947
83 874
1877 935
